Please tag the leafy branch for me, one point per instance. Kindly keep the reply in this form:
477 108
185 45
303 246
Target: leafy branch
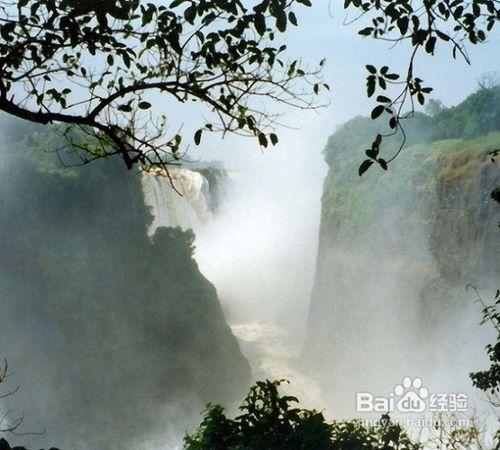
107 70
423 25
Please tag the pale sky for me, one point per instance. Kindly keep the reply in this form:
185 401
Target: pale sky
321 34
266 246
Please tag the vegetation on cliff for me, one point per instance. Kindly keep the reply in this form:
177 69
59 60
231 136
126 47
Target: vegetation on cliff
477 115
443 180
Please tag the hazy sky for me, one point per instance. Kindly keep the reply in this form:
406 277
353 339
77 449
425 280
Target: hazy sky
267 242
321 34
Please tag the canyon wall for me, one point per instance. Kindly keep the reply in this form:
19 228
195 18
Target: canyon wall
397 250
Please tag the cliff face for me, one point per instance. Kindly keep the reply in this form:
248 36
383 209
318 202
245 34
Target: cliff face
116 338
464 237
396 251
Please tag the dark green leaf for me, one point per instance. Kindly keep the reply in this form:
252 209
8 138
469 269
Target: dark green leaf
366 31
370 86
260 23
377 111
430 44
197 137
383 99
263 140
365 165
281 21
125 108
382 163
190 14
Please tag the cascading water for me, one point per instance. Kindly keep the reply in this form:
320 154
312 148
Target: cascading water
230 233
179 198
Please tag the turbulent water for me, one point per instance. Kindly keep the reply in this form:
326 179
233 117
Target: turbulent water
273 351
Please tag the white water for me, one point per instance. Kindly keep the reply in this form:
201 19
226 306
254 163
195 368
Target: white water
186 208
273 351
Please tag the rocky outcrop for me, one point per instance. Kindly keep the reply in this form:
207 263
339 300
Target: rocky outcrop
116 338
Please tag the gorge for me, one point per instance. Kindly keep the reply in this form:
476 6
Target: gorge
117 336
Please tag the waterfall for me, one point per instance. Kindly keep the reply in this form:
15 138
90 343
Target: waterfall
189 207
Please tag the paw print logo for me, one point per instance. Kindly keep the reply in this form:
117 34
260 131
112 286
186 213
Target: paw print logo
413 395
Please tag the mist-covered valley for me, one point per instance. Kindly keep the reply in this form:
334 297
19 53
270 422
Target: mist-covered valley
129 299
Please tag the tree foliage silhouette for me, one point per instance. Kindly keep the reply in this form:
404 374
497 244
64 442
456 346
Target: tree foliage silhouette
270 420
101 65
423 26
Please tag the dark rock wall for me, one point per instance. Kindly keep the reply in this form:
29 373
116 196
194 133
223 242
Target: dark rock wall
114 338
